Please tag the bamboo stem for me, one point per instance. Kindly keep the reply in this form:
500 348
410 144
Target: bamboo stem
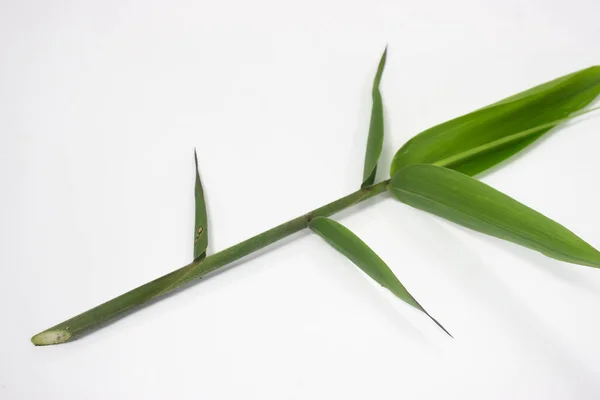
96 317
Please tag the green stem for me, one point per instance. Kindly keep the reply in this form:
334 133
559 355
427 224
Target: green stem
100 315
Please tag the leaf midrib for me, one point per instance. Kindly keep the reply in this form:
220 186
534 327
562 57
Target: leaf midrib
488 223
506 140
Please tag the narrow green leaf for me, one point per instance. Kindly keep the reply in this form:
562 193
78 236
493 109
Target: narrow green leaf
544 87
201 221
481 139
475 205
350 245
375 140
504 142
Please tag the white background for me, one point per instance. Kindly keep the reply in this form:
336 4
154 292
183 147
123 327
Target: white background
101 105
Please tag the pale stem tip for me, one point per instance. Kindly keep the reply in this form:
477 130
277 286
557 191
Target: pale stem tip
55 336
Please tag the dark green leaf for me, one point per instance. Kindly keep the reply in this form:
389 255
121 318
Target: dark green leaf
375 141
479 140
350 245
201 221
475 205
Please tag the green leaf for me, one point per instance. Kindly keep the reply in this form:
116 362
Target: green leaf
350 245
479 140
475 205
544 87
375 141
201 221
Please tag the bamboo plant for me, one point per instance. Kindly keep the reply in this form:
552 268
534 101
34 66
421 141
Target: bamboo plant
432 172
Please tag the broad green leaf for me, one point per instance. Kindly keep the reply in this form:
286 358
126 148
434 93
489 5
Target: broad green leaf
475 205
201 221
479 140
375 140
350 245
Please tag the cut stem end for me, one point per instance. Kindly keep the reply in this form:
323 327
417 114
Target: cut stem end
55 336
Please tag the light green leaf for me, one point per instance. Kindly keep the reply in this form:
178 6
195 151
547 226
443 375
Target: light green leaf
350 245
479 140
375 140
475 205
201 221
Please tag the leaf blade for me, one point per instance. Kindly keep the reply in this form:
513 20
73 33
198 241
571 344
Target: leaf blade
473 204
357 251
376 128
499 145
536 89
200 218
550 102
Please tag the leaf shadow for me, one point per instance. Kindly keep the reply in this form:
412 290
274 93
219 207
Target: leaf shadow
491 293
575 275
455 261
359 283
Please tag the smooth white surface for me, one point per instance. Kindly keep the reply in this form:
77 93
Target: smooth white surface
101 105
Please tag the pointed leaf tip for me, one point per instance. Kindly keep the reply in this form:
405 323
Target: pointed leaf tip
357 251
473 204
376 128
484 138
201 220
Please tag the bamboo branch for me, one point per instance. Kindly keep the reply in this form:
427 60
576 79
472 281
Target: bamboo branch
96 317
